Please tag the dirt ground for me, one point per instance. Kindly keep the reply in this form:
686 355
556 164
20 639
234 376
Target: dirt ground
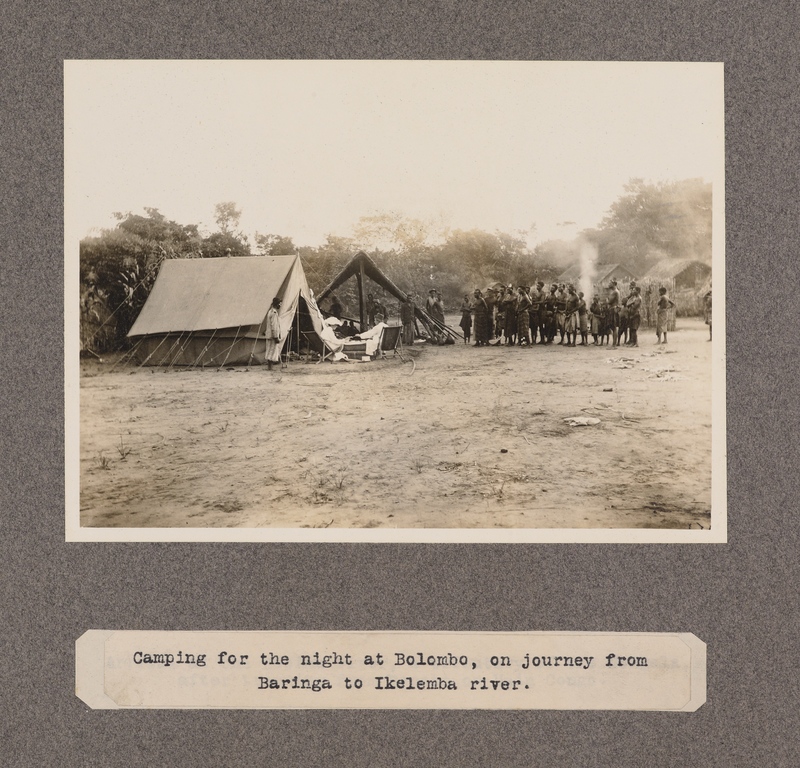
463 437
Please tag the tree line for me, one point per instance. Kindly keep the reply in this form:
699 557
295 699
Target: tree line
649 222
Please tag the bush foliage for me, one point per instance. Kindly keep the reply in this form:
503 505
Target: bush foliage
647 223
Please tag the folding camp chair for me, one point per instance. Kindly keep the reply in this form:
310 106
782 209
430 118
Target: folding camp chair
390 341
327 354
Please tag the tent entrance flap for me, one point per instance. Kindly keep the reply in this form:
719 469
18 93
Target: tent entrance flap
303 336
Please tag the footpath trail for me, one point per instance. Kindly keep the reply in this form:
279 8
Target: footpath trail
472 438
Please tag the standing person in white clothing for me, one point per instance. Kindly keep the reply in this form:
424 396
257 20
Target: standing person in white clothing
273 334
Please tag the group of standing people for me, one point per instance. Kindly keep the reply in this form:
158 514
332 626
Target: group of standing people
521 316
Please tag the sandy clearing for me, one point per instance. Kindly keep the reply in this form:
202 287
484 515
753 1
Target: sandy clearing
474 438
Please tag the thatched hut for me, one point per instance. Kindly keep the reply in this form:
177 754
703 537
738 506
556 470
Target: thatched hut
685 280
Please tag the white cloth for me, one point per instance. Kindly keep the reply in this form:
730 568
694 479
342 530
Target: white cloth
371 339
273 334
373 332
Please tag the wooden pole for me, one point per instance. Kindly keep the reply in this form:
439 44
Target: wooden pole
361 313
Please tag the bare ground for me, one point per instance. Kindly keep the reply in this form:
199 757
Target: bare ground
465 438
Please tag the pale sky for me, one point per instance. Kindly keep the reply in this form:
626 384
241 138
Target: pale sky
305 148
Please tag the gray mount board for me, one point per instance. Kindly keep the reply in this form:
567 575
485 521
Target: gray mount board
739 598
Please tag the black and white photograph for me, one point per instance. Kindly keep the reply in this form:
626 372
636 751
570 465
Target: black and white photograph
395 301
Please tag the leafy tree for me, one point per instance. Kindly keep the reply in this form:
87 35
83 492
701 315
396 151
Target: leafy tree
219 244
391 231
227 217
475 254
518 263
118 268
229 237
403 247
323 263
156 228
652 221
275 245
480 258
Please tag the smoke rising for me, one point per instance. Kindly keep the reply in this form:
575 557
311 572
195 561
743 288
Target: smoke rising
588 261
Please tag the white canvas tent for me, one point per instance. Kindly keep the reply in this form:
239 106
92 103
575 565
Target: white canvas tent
213 311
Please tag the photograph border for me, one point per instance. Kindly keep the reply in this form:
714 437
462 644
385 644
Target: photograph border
717 533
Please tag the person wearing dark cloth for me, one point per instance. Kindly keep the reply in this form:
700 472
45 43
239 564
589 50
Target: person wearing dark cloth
665 304
542 320
489 300
625 311
707 312
533 320
500 317
523 317
407 320
625 314
622 326
561 311
336 308
624 334
348 330
372 308
510 316
494 300
583 320
608 330
571 316
634 317
612 317
596 318
550 302
466 318
631 293
482 319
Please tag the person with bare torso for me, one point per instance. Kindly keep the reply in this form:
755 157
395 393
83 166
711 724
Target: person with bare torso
612 317
571 316
665 304
634 305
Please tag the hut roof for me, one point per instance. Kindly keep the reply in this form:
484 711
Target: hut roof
669 269
605 271
602 272
572 272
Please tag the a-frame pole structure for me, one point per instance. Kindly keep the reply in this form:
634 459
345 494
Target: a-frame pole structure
362 315
361 266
